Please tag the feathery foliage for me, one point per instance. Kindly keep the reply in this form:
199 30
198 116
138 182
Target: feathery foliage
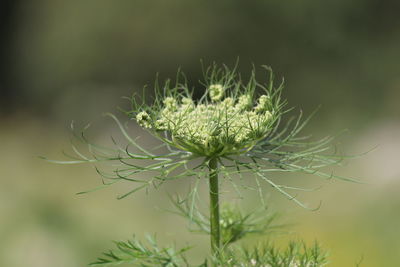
139 254
297 254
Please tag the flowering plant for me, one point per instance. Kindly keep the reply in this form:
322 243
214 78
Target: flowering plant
232 130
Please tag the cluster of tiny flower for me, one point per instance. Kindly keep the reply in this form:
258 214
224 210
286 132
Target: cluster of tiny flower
144 120
226 120
216 92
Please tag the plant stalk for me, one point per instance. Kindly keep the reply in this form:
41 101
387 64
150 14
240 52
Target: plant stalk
214 208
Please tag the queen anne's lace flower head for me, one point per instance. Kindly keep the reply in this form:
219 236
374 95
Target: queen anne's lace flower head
225 125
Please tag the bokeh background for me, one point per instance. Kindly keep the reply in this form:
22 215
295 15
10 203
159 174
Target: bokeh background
64 61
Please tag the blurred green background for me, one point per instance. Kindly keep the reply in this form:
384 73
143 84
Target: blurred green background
73 60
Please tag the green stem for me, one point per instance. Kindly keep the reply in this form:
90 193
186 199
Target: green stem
214 207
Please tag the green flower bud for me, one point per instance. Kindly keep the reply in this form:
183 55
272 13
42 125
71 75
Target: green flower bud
244 102
264 103
143 119
216 92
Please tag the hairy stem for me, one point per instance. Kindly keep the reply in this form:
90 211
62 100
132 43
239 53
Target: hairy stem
214 207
